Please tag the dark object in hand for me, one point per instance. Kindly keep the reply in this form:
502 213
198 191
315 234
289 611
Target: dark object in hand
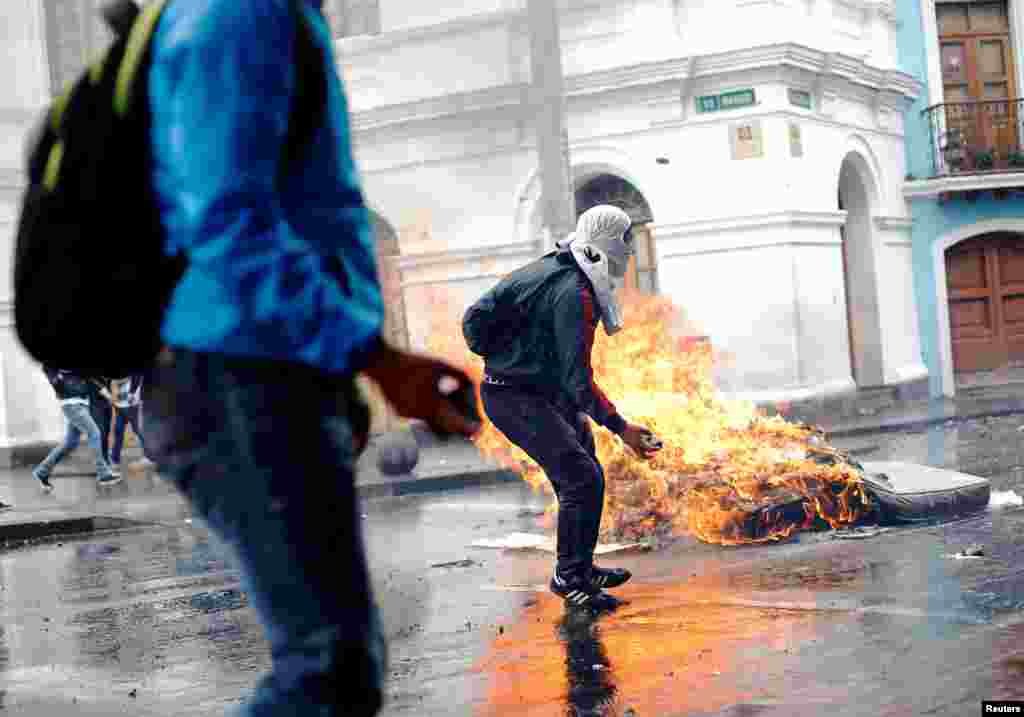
652 442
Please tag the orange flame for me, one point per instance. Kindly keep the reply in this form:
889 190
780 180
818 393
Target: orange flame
727 472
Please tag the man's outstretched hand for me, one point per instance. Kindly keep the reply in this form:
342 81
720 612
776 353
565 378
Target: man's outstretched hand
426 389
644 443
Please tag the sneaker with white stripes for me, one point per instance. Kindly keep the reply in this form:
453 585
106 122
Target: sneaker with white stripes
583 594
609 577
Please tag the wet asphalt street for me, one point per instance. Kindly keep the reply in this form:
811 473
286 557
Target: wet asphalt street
152 621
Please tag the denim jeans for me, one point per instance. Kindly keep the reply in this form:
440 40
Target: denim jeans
125 417
263 451
79 421
561 442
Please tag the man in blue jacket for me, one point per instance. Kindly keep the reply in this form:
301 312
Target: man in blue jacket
252 410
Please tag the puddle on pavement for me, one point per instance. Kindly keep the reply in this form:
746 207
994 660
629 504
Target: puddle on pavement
740 633
675 647
87 622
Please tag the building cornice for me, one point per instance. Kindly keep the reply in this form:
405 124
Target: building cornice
731 234
831 67
491 99
884 8
894 223
6 313
447 257
368 44
962 183
750 221
11 178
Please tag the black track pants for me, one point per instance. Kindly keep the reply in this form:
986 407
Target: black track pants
562 444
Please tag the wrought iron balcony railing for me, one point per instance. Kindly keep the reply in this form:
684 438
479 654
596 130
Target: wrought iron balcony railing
976 137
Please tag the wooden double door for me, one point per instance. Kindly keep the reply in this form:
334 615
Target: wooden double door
985 280
978 78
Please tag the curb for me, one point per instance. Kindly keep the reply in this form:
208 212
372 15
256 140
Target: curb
897 425
412 485
15 534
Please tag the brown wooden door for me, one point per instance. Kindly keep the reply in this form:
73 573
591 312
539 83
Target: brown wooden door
977 65
985 278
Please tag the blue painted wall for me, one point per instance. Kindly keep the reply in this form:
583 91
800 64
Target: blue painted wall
932 220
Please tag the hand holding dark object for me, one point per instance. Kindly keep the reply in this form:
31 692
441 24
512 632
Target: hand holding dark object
427 389
644 443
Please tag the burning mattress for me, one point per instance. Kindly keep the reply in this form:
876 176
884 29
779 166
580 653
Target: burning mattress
907 492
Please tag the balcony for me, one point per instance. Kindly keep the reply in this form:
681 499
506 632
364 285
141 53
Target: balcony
975 146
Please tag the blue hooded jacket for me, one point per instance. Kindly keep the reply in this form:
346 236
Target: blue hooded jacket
220 91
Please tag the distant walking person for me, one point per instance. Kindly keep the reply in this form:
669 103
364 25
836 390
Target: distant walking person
101 411
73 391
126 396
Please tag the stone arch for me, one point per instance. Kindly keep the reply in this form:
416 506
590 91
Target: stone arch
385 236
588 162
939 247
867 159
593 188
388 249
858 195
609 188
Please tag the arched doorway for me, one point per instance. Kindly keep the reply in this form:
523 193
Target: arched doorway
985 289
614 190
385 240
395 329
857 196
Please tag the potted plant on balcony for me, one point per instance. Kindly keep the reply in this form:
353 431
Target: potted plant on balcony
953 149
984 160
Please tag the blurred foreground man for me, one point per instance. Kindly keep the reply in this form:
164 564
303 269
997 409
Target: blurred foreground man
535 330
252 409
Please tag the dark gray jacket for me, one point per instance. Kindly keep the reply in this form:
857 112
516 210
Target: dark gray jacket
535 330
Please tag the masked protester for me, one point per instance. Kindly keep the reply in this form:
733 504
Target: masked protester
535 330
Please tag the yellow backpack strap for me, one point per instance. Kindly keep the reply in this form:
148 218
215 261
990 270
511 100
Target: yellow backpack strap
138 41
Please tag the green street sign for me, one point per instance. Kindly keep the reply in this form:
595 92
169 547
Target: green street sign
800 98
726 101
708 103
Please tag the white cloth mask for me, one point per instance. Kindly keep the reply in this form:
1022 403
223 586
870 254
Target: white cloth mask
601 249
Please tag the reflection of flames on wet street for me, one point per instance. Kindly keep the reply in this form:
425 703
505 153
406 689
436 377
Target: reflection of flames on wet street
675 647
728 473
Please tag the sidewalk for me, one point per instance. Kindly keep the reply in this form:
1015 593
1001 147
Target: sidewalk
853 418
77 506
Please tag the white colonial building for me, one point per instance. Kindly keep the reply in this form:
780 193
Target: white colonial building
759 142
764 138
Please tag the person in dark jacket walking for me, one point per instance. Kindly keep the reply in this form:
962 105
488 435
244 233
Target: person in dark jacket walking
73 392
126 396
536 329
102 411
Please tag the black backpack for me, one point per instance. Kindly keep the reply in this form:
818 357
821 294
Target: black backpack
489 322
90 242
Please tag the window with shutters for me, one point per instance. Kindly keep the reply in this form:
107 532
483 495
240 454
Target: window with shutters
349 18
75 34
978 77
